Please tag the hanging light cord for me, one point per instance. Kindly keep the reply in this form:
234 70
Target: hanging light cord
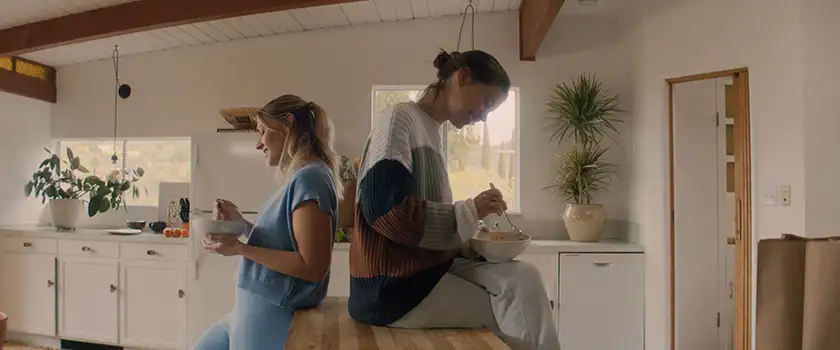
471 10
116 58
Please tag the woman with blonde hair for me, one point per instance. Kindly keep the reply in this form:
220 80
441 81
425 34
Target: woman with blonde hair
285 263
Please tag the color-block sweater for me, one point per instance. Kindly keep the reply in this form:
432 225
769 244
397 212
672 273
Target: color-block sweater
408 231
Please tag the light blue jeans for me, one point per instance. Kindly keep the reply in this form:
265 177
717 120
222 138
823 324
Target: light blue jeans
254 324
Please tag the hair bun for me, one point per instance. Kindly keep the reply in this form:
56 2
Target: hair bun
443 57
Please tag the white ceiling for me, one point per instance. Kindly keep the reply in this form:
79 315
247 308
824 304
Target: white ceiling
16 12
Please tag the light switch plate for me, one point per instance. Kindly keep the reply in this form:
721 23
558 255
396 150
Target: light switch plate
784 195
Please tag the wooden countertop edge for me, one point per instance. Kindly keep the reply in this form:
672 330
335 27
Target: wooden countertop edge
329 326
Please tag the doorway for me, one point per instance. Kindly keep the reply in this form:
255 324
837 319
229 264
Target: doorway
710 201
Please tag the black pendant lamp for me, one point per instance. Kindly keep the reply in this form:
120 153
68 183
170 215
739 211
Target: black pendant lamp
120 91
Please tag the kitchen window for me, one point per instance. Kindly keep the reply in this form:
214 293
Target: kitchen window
477 154
163 159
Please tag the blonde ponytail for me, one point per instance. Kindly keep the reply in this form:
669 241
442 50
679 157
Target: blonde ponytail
310 136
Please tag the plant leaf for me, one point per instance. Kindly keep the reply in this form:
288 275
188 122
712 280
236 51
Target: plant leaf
93 205
583 111
104 205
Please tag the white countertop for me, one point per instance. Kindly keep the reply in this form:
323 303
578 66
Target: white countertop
566 246
88 234
537 246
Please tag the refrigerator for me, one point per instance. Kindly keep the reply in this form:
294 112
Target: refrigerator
224 165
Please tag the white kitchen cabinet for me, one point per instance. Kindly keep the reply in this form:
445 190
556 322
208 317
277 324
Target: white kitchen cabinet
339 274
601 301
88 293
28 292
153 304
547 265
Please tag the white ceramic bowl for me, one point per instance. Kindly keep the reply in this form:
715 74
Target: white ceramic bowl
219 227
499 246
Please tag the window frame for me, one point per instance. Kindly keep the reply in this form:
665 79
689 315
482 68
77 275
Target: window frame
517 159
56 147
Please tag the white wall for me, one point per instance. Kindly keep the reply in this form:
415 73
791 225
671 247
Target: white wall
179 92
25 133
682 37
821 122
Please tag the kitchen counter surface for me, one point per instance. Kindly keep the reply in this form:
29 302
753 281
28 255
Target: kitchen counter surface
88 234
329 326
537 246
567 246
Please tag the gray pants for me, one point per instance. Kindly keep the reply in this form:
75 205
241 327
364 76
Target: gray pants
507 298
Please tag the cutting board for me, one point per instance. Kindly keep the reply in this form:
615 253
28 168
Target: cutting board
169 192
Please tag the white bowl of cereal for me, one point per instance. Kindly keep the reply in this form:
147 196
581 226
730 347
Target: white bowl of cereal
499 246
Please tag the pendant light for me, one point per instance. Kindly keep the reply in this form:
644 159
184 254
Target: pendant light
120 91
471 10
469 133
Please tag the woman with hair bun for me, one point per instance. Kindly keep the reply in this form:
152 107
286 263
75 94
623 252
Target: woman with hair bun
409 255
285 263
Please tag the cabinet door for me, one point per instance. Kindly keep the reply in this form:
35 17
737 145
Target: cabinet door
602 301
153 304
339 274
88 294
28 292
546 264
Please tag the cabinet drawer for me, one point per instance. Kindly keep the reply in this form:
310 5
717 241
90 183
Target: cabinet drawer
30 245
149 251
602 294
93 249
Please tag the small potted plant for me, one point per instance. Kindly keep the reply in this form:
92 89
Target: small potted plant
348 172
584 113
65 185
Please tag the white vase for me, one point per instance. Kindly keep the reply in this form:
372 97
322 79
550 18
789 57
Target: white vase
65 213
584 221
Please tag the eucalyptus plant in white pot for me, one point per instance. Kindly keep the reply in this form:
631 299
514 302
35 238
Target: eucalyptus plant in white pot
583 113
65 185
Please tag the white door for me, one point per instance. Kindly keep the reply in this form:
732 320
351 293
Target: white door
546 264
153 304
88 299
28 291
601 304
696 215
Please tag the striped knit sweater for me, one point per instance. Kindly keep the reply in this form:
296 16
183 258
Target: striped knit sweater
408 231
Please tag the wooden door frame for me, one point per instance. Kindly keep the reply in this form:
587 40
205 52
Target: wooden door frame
743 202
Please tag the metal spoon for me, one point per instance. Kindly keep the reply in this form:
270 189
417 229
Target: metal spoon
519 232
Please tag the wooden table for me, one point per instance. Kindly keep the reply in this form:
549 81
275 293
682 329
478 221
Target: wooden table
329 326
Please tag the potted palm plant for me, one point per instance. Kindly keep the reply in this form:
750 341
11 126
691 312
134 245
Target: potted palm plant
65 185
583 113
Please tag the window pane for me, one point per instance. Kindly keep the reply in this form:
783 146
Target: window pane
386 98
162 160
475 155
95 155
483 153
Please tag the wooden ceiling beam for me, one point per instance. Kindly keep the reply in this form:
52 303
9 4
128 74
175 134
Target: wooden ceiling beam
27 78
535 19
134 17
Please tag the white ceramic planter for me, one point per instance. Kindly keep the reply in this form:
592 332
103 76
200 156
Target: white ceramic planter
584 221
65 213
